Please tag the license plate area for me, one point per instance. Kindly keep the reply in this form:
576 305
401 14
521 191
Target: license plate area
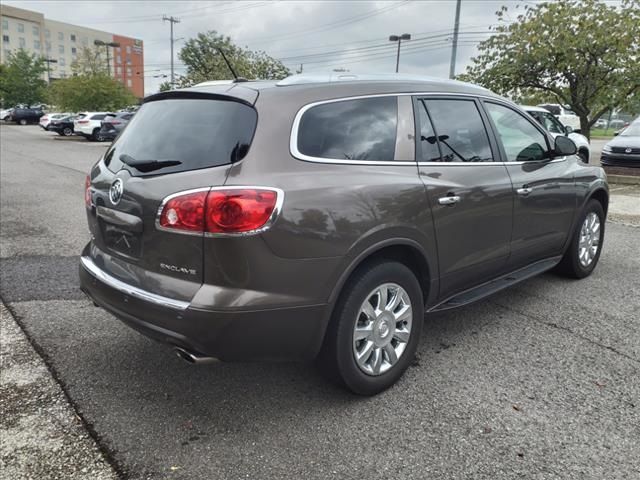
120 240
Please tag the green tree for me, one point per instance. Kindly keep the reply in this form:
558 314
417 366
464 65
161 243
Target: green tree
21 81
204 62
585 53
90 61
98 92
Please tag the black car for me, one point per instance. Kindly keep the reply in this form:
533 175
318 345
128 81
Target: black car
26 115
113 124
62 126
624 149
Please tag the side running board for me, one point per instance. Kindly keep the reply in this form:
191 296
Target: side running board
500 283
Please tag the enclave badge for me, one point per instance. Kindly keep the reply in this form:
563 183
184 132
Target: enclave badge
115 192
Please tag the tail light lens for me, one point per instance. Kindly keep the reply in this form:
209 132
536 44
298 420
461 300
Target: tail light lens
83 121
220 211
87 191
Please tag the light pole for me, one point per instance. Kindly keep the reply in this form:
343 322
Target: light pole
454 47
399 38
49 62
171 21
100 43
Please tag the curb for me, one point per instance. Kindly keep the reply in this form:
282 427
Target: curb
624 179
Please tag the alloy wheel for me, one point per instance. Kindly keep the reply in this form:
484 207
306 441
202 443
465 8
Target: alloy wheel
589 241
382 329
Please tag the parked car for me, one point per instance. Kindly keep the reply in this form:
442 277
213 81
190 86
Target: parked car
24 116
5 114
62 126
88 125
46 119
601 123
566 116
321 219
555 127
113 124
618 123
624 149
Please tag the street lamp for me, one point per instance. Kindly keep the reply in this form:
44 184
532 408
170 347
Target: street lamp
49 62
100 43
399 38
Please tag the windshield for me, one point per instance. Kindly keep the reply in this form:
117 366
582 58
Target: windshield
632 130
184 134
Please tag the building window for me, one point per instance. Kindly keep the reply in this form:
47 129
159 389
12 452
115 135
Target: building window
128 82
36 31
22 41
21 28
5 38
118 59
128 71
118 70
47 33
74 51
60 48
117 50
36 44
60 36
128 60
73 37
61 62
5 24
128 48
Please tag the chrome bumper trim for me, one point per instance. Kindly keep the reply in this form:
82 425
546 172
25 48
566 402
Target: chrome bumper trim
119 285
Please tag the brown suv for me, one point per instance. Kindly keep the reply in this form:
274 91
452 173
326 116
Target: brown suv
316 218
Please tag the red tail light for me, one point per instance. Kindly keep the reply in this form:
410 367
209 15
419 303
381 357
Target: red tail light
231 210
87 191
83 121
115 122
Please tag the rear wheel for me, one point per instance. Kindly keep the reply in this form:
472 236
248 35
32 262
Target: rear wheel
583 253
375 328
22 121
67 132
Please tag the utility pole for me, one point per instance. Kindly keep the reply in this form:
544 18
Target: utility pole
171 20
49 62
454 48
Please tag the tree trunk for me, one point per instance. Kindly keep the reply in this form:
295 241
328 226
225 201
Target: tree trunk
584 126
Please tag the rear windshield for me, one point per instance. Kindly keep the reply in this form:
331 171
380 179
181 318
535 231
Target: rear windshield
198 133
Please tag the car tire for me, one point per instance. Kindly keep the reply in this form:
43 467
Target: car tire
97 136
388 340
22 121
581 258
67 132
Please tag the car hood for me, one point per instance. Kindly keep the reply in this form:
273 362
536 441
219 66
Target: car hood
625 141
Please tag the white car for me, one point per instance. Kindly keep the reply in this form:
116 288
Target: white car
555 127
5 114
45 120
566 116
88 124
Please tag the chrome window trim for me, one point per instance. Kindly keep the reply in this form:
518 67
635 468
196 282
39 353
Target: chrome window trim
274 214
293 139
127 289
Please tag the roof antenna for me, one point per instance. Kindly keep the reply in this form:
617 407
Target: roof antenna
236 79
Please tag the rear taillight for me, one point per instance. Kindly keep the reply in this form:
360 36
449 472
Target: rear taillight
87 191
115 122
83 121
221 211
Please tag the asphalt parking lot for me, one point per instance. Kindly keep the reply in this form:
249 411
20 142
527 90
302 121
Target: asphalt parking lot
539 381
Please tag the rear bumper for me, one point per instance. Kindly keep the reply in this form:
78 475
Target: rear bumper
292 333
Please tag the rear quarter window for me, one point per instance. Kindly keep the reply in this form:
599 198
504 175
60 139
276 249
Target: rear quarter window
358 129
98 117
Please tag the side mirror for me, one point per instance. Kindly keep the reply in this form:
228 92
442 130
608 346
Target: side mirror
564 146
568 129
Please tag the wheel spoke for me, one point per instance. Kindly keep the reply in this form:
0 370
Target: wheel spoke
363 332
382 298
393 303
402 335
368 310
404 314
392 358
364 354
377 360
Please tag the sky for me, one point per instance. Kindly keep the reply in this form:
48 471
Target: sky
320 35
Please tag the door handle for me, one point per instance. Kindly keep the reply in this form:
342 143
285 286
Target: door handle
524 191
449 200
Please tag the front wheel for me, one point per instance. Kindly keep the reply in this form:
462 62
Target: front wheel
22 121
375 328
583 253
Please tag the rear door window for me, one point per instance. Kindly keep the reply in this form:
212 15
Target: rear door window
460 130
359 129
188 133
427 150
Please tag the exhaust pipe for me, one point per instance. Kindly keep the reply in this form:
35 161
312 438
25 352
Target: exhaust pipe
193 357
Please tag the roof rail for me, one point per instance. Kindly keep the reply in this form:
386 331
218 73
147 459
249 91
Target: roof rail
304 78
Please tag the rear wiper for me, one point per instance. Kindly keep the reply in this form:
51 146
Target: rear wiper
147 165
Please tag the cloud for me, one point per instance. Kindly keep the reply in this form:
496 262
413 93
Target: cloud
300 32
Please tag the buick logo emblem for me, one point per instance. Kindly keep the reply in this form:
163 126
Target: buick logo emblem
115 192
628 150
